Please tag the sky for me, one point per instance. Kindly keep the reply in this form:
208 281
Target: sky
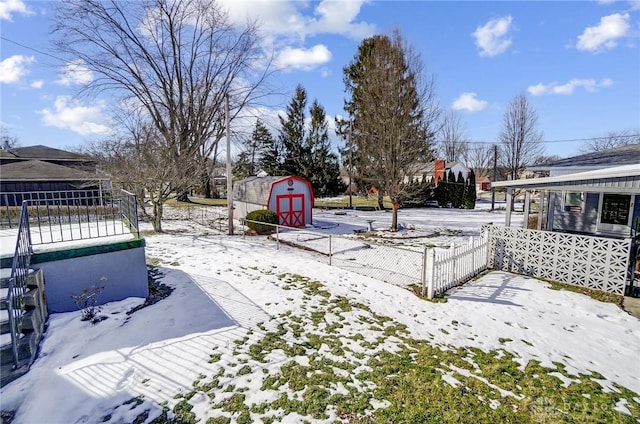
230 290
578 63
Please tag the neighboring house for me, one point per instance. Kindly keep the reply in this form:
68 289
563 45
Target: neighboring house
40 168
290 197
437 170
625 155
604 202
483 184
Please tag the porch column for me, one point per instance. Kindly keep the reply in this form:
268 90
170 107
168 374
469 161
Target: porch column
527 204
541 202
509 206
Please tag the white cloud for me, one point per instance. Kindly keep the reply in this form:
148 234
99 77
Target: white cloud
306 59
37 84
590 85
71 114
492 38
14 67
468 102
7 7
604 35
339 17
291 18
75 72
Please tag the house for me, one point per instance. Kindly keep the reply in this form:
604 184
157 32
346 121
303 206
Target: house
37 169
483 184
618 156
604 202
290 197
437 170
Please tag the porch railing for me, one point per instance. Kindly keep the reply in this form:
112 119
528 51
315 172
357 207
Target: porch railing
18 281
56 216
594 262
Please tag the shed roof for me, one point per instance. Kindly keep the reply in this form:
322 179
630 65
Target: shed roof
619 179
37 170
254 189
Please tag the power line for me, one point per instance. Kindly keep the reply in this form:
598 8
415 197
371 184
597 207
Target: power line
30 48
569 140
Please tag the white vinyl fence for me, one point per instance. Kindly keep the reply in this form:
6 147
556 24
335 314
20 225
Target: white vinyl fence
453 267
594 262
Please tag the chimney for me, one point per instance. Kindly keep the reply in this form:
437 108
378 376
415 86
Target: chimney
438 174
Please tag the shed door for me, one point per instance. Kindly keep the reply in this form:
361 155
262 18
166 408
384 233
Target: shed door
290 209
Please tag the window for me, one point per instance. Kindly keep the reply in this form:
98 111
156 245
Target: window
573 201
615 209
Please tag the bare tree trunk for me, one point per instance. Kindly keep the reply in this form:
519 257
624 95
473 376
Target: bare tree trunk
394 218
157 216
380 200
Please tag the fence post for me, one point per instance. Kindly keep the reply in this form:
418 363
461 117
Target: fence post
473 256
277 237
424 271
330 254
431 262
452 277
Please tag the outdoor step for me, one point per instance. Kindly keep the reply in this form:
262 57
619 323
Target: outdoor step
33 280
27 348
8 373
32 320
4 321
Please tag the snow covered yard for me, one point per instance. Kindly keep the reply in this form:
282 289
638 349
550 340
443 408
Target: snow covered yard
255 334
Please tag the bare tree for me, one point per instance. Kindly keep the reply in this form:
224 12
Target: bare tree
172 61
520 139
393 113
7 141
454 141
141 161
612 140
479 157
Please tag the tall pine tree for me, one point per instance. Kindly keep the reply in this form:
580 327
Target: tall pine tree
324 166
296 150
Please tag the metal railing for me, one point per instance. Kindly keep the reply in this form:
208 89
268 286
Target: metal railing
18 281
56 216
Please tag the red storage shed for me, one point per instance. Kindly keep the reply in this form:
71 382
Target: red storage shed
290 197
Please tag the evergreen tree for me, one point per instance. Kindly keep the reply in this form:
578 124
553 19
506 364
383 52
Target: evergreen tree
458 192
324 167
242 168
296 150
470 195
271 151
392 112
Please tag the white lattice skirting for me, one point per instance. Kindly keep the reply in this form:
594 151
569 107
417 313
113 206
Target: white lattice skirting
594 262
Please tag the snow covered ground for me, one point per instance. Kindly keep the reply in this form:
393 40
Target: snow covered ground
231 292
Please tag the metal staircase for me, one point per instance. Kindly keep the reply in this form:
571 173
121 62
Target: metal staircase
23 309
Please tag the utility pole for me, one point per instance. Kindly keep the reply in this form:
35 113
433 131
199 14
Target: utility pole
495 174
229 181
350 165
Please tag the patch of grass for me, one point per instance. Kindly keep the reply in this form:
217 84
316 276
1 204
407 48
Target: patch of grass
594 294
389 376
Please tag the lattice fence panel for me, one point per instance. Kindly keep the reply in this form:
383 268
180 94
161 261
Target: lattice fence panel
595 262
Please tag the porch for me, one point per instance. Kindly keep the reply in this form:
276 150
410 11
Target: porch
57 245
583 211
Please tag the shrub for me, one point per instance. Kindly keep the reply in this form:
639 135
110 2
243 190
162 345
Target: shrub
270 218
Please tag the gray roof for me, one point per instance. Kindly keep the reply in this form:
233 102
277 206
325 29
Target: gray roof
43 153
36 170
254 189
624 155
618 179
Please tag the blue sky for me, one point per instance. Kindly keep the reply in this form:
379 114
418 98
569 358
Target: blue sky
578 62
